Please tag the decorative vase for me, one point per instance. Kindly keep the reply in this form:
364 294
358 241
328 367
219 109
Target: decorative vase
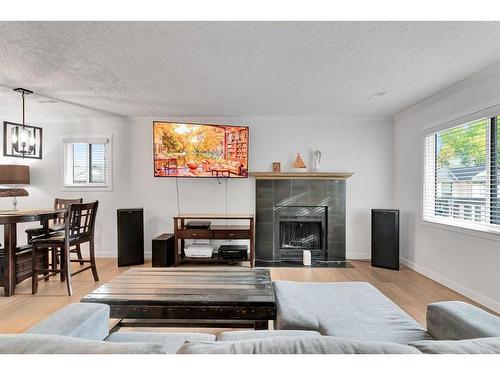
317 160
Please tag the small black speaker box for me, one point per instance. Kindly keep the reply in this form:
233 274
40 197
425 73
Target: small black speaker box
130 236
163 250
385 239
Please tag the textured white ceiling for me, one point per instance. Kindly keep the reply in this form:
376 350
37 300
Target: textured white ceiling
237 68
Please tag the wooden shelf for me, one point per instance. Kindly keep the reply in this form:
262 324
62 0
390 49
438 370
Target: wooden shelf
303 175
214 259
214 216
214 232
229 227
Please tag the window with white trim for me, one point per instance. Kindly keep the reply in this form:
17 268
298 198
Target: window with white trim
87 162
462 175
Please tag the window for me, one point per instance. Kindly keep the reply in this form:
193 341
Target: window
462 175
87 163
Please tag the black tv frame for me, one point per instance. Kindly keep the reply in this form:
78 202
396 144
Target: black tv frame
198 123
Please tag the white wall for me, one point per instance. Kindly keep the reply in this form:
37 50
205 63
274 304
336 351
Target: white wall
46 175
358 144
466 263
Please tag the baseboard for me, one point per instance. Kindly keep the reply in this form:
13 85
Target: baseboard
114 254
356 256
469 293
106 254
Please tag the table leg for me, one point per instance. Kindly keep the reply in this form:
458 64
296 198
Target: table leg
252 244
260 325
45 224
116 327
176 243
10 239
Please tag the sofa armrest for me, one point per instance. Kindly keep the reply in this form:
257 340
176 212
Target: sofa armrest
83 320
456 320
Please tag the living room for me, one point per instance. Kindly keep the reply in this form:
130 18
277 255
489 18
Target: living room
342 182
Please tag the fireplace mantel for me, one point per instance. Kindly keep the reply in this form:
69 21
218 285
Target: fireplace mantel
303 175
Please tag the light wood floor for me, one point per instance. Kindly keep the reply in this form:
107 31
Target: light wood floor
409 289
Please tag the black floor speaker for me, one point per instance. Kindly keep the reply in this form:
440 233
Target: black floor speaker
385 239
163 250
130 236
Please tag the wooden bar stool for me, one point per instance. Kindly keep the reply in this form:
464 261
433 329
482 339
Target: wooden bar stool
79 228
56 226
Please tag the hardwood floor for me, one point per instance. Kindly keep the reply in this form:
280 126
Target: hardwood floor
409 289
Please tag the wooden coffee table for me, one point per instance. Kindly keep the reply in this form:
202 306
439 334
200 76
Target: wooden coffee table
187 297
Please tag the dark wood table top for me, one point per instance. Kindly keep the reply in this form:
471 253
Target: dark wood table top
22 216
187 287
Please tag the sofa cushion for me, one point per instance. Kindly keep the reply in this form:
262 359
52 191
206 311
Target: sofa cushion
54 344
354 310
170 341
487 345
83 320
264 334
456 320
296 345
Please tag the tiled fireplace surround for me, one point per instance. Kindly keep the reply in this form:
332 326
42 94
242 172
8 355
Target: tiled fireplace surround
308 194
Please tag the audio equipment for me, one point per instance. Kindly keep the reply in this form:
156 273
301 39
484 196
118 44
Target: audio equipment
163 250
197 225
236 252
385 239
130 236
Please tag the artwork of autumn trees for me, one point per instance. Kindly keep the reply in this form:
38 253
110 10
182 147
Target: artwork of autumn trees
197 150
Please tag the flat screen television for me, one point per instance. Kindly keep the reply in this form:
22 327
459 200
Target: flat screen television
200 150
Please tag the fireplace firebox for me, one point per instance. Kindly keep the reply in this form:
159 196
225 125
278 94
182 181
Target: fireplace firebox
299 228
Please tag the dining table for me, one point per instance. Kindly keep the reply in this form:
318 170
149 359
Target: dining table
9 220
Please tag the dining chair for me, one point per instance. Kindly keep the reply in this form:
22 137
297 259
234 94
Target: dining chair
56 226
79 224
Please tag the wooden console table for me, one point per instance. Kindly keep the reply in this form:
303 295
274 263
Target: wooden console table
215 232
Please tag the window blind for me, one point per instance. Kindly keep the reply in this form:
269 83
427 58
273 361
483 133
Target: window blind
462 175
86 164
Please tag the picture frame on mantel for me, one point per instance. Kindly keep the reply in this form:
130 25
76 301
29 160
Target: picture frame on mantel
276 167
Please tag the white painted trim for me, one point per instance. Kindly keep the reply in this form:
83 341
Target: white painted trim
475 296
482 112
113 254
483 233
64 140
358 256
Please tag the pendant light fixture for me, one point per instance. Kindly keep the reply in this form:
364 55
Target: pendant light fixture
21 140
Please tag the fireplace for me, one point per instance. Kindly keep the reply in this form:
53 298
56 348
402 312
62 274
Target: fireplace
299 228
293 215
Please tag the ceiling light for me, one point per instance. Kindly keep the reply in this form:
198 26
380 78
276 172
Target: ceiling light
376 96
25 140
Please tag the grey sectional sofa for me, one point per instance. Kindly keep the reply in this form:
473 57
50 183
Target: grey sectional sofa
312 318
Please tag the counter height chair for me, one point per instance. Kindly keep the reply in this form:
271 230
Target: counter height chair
79 223
56 226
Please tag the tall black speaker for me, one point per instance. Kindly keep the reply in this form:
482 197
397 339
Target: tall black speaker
130 236
385 239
